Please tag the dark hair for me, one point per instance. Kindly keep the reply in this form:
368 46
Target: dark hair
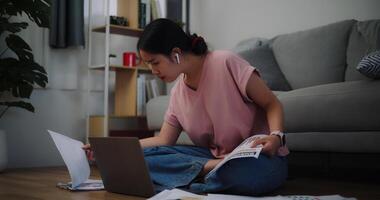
162 35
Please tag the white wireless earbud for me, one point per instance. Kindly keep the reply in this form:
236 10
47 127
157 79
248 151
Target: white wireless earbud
177 57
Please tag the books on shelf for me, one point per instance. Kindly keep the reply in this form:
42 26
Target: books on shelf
153 9
144 13
155 89
141 94
158 9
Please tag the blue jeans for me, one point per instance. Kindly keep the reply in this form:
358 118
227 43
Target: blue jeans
178 167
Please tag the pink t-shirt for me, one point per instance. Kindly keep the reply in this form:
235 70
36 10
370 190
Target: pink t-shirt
219 114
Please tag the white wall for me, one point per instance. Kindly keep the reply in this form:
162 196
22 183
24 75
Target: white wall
225 22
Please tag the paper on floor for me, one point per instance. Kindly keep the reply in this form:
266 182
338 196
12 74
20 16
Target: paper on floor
75 159
180 194
176 194
90 184
293 197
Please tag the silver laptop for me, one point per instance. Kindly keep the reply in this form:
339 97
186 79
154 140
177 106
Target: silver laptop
122 166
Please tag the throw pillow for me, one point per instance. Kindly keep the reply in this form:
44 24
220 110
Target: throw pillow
370 65
262 58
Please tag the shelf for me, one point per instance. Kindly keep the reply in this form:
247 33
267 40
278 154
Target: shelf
139 133
123 68
121 30
125 87
117 124
120 116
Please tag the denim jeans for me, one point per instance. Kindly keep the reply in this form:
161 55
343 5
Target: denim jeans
178 167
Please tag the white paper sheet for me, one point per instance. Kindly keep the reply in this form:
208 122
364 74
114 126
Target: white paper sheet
236 197
90 184
292 197
74 157
180 194
176 194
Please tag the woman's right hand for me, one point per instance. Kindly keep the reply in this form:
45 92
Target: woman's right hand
89 152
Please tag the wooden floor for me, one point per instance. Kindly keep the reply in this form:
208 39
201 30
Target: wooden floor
40 183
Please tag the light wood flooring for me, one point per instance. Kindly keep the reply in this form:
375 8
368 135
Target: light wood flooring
40 183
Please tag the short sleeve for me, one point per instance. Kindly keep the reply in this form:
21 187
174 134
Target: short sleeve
240 71
170 115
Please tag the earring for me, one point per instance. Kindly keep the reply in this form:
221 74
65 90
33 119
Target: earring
177 58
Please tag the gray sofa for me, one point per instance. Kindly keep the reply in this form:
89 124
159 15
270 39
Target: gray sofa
332 112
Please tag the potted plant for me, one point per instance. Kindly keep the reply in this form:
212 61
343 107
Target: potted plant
19 73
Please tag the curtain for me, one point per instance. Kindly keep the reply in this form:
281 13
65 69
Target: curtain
67 23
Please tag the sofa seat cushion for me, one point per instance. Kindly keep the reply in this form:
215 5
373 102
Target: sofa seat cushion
345 106
313 57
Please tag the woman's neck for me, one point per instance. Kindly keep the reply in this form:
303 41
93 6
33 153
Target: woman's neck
194 71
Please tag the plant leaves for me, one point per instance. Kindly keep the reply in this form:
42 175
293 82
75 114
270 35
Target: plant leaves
34 73
11 27
19 46
19 76
8 74
37 11
21 104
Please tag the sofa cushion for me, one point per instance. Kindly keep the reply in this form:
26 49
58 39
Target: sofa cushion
345 106
364 38
263 59
313 57
370 65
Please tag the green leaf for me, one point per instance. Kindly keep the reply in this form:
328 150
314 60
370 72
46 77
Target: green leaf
19 76
21 104
38 11
20 47
35 72
11 27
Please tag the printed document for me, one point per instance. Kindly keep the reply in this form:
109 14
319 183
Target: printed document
76 162
244 150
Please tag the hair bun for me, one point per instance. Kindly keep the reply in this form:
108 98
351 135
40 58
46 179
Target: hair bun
198 44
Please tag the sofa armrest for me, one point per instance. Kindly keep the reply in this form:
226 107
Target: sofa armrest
155 111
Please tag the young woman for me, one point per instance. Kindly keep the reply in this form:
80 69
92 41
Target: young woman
219 100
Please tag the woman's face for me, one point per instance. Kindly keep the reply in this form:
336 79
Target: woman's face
161 66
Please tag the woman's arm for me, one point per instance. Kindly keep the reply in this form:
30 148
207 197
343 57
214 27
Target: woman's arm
168 136
258 91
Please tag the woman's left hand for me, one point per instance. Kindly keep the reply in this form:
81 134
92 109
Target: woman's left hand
270 144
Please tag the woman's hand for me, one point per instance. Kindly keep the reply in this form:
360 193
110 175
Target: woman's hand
89 152
271 144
